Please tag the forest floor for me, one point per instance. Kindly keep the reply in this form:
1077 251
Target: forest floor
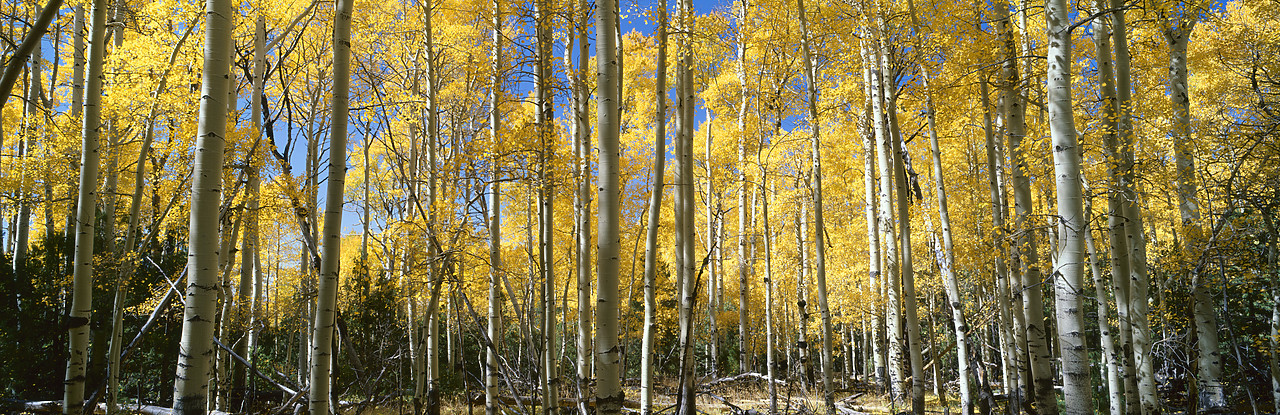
743 394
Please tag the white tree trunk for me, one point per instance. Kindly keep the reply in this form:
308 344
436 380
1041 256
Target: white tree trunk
609 394
819 230
192 385
948 273
1068 274
655 207
331 259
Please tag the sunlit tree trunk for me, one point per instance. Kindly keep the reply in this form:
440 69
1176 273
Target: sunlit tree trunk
82 280
743 10
543 117
819 231
948 261
1209 363
1068 275
331 260
492 373
1115 400
872 213
655 207
1026 258
684 208
888 237
581 134
768 305
609 394
1118 248
192 385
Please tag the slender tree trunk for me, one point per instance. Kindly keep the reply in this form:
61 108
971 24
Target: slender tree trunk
873 226
192 385
820 253
768 305
1026 253
1115 397
1136 338
744 272
431 334
1068 274
1118 247
581 134
896 342
609 394
82 280
684 208
546 232
655 207
948 273
331 260
492 373
246 300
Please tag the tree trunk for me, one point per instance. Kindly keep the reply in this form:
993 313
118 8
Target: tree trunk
744 8
684 208
192 384
581 134
82 282
819 231
888 239
331 261
655 207
1026 256
768 305
18 59
492 374
948 273
1118 247
1068 274
873 225
609 394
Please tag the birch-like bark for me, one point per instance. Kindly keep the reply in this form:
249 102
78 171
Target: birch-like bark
873 225
434 269
1026 258
1135 287
331 260
1118 248
655 207
819 231
492 374
744 272
888 238
543 118
684 208
192 385
609 394
82 275
948 259
581 134
1077 390
768 304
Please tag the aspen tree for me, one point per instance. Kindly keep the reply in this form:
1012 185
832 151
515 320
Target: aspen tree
1118 247
684 205
191 387
744 271
82 279
247 298
887 228
609 394
581 135
655 207
871 212
768 304
494 333
543 118
947 262
1026 258
434 269
331 260
819 231
1068 274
